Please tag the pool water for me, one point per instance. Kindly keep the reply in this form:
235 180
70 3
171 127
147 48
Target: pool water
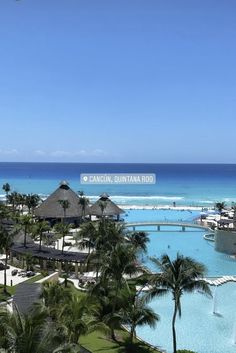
160 215
198 329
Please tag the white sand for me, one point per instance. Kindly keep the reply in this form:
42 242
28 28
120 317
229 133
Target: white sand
163 207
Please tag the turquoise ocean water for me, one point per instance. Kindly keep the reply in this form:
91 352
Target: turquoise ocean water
185 184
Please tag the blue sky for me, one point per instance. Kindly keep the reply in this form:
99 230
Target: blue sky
118 80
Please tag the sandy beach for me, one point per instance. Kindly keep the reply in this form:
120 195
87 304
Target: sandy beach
165 207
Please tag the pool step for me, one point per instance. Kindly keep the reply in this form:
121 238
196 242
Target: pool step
220 280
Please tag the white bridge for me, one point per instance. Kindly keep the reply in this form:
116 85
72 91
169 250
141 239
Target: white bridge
158 224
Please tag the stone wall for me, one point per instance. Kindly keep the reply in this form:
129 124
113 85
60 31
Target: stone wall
54 277
225 241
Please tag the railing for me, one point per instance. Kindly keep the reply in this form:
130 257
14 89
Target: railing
167 223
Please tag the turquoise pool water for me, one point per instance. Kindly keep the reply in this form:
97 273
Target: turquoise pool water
190 242
198 329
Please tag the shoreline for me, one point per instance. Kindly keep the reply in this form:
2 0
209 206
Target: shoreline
153 207
165 207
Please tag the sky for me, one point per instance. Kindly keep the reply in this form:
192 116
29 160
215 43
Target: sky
118 81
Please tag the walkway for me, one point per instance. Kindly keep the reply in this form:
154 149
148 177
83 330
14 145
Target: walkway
158 224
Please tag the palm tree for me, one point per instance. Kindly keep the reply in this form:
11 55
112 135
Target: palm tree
182 275
26 223
12 199
74 316
39 229
29 261
27 333
116 264
6 241
83 202
105 236
220 206
55 296
63 229
87 236
65 204
102 205
32 201
136 312
6 187
21 200
139 240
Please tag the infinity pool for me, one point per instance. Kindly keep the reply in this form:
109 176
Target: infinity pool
198 329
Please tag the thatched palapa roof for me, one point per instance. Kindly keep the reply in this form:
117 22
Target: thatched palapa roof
105 207
52 208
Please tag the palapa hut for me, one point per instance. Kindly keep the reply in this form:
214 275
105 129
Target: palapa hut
104 207
53 209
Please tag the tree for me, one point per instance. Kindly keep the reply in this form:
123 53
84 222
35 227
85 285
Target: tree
13 200
29 261
32 201
55 296
116 264
21 201
102 205
26 223
136 312
182 275
87 236
6 241
139 240
220 206
74 316
106 236
27 333
63 229
39 230
83 202
6 187
65 204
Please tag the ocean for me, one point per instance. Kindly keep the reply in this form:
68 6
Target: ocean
185 184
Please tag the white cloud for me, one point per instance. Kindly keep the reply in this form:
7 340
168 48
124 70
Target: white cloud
98 152
80 153
60 154
40 152
9 152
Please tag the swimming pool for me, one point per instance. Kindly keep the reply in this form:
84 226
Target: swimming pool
198 329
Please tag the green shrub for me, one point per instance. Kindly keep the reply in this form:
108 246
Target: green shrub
185 351
44 273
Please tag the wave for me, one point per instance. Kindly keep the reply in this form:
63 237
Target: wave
123 197
207 201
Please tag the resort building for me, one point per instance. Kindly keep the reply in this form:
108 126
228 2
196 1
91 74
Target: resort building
53 210
104 207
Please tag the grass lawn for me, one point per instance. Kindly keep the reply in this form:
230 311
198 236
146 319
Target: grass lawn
97 342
